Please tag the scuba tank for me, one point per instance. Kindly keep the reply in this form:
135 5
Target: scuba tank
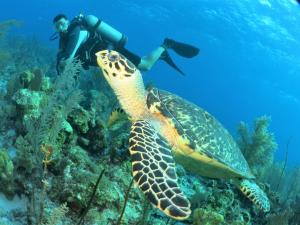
106 31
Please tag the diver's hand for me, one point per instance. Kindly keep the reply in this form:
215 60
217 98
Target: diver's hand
61 65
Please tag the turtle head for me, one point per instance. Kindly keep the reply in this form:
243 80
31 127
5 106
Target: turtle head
123 77
116 68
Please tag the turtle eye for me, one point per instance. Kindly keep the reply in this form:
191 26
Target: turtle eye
113 57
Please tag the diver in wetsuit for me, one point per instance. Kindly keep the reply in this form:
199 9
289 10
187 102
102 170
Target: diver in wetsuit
85 35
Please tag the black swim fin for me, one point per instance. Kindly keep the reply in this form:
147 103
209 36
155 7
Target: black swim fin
180 48
167 58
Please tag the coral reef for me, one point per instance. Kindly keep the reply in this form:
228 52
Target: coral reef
207 217
257 146
5 25
59 135
6 174
56 215
6 56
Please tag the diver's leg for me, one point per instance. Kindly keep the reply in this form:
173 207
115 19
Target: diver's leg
160 53
180 48
135 59
148 61
145 63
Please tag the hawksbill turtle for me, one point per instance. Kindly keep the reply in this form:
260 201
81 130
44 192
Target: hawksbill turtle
167 129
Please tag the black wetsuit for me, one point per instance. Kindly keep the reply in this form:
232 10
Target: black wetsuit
86 51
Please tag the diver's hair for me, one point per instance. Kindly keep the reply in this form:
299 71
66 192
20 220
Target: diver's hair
58 17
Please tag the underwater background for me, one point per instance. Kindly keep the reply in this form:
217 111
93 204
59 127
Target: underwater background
247 70
248 61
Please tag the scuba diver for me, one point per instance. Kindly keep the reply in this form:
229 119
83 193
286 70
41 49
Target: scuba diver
85 35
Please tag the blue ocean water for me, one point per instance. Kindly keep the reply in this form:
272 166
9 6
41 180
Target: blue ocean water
250 52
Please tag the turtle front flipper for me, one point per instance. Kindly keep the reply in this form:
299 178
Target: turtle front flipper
117 114
253 192
154 170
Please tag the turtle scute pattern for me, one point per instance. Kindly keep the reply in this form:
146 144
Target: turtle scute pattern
204 133
154 170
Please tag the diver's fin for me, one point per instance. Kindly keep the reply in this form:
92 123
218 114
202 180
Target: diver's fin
167 58
180 48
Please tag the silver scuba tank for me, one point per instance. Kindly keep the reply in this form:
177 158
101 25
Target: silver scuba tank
106 31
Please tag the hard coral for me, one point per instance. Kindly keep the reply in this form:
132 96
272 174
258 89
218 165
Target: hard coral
80 119
206 217
29 101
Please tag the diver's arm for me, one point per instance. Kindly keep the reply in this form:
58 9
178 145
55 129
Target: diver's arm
76 39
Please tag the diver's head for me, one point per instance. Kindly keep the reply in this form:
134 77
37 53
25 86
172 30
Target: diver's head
61 23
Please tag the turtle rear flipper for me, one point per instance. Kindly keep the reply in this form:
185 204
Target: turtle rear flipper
154 170
253 192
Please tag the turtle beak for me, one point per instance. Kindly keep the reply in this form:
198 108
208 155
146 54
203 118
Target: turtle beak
101 56
98 58
97 55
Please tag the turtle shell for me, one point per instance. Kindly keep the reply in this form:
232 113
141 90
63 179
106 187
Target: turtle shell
205 134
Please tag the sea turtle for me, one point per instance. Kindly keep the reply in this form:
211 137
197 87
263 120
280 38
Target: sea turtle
166 128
